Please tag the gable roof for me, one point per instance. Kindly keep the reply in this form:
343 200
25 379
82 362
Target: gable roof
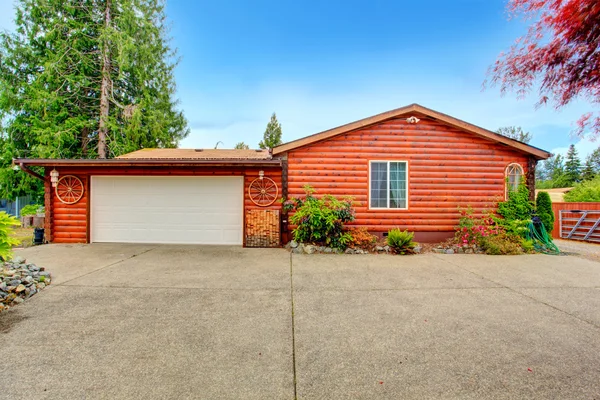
197 154
523 147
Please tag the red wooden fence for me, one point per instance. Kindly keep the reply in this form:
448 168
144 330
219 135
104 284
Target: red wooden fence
571 220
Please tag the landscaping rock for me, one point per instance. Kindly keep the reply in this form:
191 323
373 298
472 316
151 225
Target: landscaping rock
18 260
439 250
309 249
19 281
293 244
417 249
386 248
349 251
379 248
328 250
449 251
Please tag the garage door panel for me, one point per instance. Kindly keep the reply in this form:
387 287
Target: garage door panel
203 210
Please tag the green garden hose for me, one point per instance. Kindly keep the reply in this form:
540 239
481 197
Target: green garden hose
542 242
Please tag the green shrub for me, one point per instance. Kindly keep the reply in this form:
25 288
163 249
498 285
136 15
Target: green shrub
7 222
585 192
518 206
31 209
544 210
514 227
321 220
401 242
528 246
502 244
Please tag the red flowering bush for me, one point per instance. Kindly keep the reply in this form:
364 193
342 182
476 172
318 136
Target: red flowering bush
472 228
491 234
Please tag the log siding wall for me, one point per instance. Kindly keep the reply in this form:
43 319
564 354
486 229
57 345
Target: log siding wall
447 168
70 223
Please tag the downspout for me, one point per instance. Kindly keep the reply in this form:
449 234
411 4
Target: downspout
26 169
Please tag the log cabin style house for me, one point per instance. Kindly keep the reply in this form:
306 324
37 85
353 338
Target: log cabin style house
411 168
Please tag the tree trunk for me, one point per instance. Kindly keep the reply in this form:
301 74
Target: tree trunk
104 104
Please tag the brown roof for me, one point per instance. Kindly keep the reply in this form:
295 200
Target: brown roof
536 152
197 154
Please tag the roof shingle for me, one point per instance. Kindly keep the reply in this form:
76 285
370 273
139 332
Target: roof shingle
197 154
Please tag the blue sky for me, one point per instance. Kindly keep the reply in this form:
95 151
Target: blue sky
320 64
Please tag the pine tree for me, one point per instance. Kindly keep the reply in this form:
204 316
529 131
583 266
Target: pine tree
516 133
544 210
588 172
241 146
272 135
572 166
85 79
594 158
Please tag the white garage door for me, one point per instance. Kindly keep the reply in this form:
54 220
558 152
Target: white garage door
140 209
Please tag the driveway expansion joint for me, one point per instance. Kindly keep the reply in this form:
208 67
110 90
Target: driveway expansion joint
523 294
104 267
293 326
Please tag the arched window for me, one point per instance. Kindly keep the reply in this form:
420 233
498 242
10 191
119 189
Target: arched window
514 175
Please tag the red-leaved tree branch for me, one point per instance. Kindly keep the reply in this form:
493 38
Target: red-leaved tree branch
560 55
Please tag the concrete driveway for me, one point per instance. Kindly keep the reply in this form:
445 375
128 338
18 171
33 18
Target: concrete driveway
178 322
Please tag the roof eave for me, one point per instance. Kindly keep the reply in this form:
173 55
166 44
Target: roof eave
114 162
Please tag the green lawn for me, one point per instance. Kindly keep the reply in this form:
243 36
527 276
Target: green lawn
24 235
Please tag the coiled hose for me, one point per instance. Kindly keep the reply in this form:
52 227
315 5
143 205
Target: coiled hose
542 242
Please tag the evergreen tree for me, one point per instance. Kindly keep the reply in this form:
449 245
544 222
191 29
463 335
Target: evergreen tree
85 79
272 135
544 210
516 133
572 166
242 146
588 172
594 158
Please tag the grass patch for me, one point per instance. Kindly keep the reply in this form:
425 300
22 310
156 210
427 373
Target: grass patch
24 236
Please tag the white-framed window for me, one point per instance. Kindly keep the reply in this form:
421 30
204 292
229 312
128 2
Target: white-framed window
514 176
388 184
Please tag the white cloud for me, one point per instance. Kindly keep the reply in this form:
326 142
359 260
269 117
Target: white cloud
584 148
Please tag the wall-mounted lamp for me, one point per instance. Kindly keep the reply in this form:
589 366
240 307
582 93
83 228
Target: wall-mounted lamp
412 120
261 174
54 177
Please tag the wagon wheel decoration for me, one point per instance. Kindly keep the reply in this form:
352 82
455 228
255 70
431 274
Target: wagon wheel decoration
69 189
263 191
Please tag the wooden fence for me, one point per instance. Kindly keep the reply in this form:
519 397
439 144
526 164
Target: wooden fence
579 221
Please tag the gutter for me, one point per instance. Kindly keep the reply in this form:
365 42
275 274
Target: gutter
24 168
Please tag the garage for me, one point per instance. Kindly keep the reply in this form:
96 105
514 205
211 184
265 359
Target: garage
167 209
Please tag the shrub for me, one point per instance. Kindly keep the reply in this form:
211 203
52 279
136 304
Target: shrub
401 242
7 222
588 191
518 206
502 244
544 210
528 245
361 238
321 220
31 209
471 228
514 227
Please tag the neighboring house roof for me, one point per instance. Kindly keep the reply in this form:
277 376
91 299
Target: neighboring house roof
557 195
413 108
197 154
